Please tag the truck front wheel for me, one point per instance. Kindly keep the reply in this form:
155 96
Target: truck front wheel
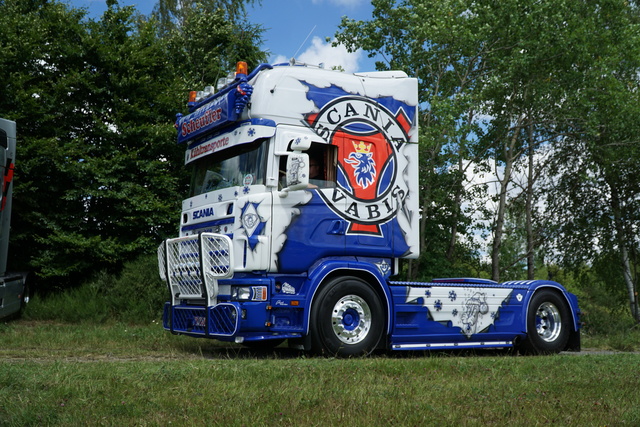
347 318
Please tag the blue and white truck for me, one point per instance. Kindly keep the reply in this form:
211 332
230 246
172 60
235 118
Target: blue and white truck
14 287
271 250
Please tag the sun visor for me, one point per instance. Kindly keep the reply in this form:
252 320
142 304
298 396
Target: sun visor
244 133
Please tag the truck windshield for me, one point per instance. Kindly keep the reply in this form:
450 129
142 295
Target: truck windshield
239 166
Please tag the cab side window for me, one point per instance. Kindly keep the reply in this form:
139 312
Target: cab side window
322 165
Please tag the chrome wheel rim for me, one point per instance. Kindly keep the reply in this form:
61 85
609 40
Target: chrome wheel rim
548 322
351 319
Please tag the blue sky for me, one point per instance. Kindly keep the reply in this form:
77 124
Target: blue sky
292 26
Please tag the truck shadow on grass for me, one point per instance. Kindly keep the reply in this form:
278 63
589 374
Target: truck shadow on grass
217 350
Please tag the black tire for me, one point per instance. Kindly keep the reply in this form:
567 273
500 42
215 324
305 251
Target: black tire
347 319
548 323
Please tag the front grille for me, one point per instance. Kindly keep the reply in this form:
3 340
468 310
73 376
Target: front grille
216 251
223 319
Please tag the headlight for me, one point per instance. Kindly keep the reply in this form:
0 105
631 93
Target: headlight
242 293
249 293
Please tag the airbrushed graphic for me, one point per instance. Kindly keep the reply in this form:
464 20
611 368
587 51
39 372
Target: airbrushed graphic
371 186
252 223
472 310
364 167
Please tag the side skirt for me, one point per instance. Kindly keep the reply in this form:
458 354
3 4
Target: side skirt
453 346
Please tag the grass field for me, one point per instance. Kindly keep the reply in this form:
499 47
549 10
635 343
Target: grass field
116 374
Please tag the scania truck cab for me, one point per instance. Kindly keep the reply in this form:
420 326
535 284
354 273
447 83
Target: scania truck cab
303 200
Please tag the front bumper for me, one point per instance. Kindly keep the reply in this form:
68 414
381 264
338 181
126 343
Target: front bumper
221 320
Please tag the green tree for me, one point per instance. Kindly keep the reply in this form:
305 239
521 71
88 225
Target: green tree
207 45
96 179
594 192
173 14
529 67
99 176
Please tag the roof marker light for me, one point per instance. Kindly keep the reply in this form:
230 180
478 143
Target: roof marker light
192 98
242 68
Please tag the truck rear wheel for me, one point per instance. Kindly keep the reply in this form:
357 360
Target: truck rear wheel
548 324
347 318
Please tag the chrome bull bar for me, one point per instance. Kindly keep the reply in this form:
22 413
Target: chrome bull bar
192 266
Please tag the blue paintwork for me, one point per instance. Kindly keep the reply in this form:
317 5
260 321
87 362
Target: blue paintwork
409 324
535 285
318 233
217 111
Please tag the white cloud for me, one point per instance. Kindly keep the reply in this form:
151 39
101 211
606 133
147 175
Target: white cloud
321 52
280 59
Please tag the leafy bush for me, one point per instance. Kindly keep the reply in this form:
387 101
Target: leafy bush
83 304
136 295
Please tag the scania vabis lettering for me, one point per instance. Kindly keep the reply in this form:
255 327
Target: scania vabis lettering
304 197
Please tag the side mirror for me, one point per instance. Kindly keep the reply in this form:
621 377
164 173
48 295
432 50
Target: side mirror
293 139
297 174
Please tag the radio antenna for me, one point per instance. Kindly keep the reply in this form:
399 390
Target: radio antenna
305 40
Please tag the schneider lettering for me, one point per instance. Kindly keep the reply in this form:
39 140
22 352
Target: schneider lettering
195 124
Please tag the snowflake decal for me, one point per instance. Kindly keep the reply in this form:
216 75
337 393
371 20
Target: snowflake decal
235 193
246 190
219 197
452 295
454 313
384 267
251 132
427 293
438 305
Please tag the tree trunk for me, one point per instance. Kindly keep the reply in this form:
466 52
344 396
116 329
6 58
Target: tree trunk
457 200
529 210
624 254
509 158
